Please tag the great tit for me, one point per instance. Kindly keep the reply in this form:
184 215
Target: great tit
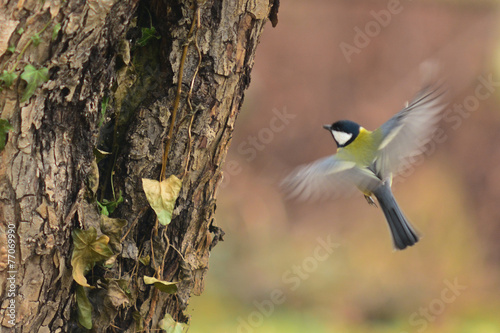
369 159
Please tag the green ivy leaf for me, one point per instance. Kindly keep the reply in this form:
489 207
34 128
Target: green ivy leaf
8 78
103 209
171 326
84 308
100 154
35 39
147 35
162 196
5 127
34 79
87 251
56 30
20 31
11 48
108 207
166 287
104 106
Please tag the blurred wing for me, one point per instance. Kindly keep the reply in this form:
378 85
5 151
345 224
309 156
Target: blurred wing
406 134
328 177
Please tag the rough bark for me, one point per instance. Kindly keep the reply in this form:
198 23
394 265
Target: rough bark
48 171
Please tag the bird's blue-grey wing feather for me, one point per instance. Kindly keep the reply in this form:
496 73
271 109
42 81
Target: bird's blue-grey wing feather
328 177
408 132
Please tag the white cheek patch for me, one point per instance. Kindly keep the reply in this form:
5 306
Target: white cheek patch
341 137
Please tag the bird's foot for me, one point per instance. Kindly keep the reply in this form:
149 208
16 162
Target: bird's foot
370 201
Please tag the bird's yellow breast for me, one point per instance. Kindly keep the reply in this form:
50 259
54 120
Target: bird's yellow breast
363 149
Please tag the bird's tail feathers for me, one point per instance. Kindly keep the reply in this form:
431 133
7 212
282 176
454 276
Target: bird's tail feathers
403 234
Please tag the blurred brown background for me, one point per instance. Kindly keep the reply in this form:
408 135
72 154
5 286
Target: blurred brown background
273 272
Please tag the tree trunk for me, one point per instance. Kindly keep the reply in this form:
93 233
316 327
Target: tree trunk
104 80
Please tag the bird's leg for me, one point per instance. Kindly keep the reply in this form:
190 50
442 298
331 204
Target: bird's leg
370 201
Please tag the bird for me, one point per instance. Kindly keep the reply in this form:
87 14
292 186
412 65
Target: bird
369 160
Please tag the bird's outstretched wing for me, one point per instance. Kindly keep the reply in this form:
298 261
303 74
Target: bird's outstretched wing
408 132
327 178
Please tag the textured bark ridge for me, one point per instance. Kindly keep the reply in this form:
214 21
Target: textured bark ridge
106 91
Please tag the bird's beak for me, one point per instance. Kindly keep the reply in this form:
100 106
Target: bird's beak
327 127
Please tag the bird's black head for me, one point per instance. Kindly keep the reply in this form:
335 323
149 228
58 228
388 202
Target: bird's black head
344 132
